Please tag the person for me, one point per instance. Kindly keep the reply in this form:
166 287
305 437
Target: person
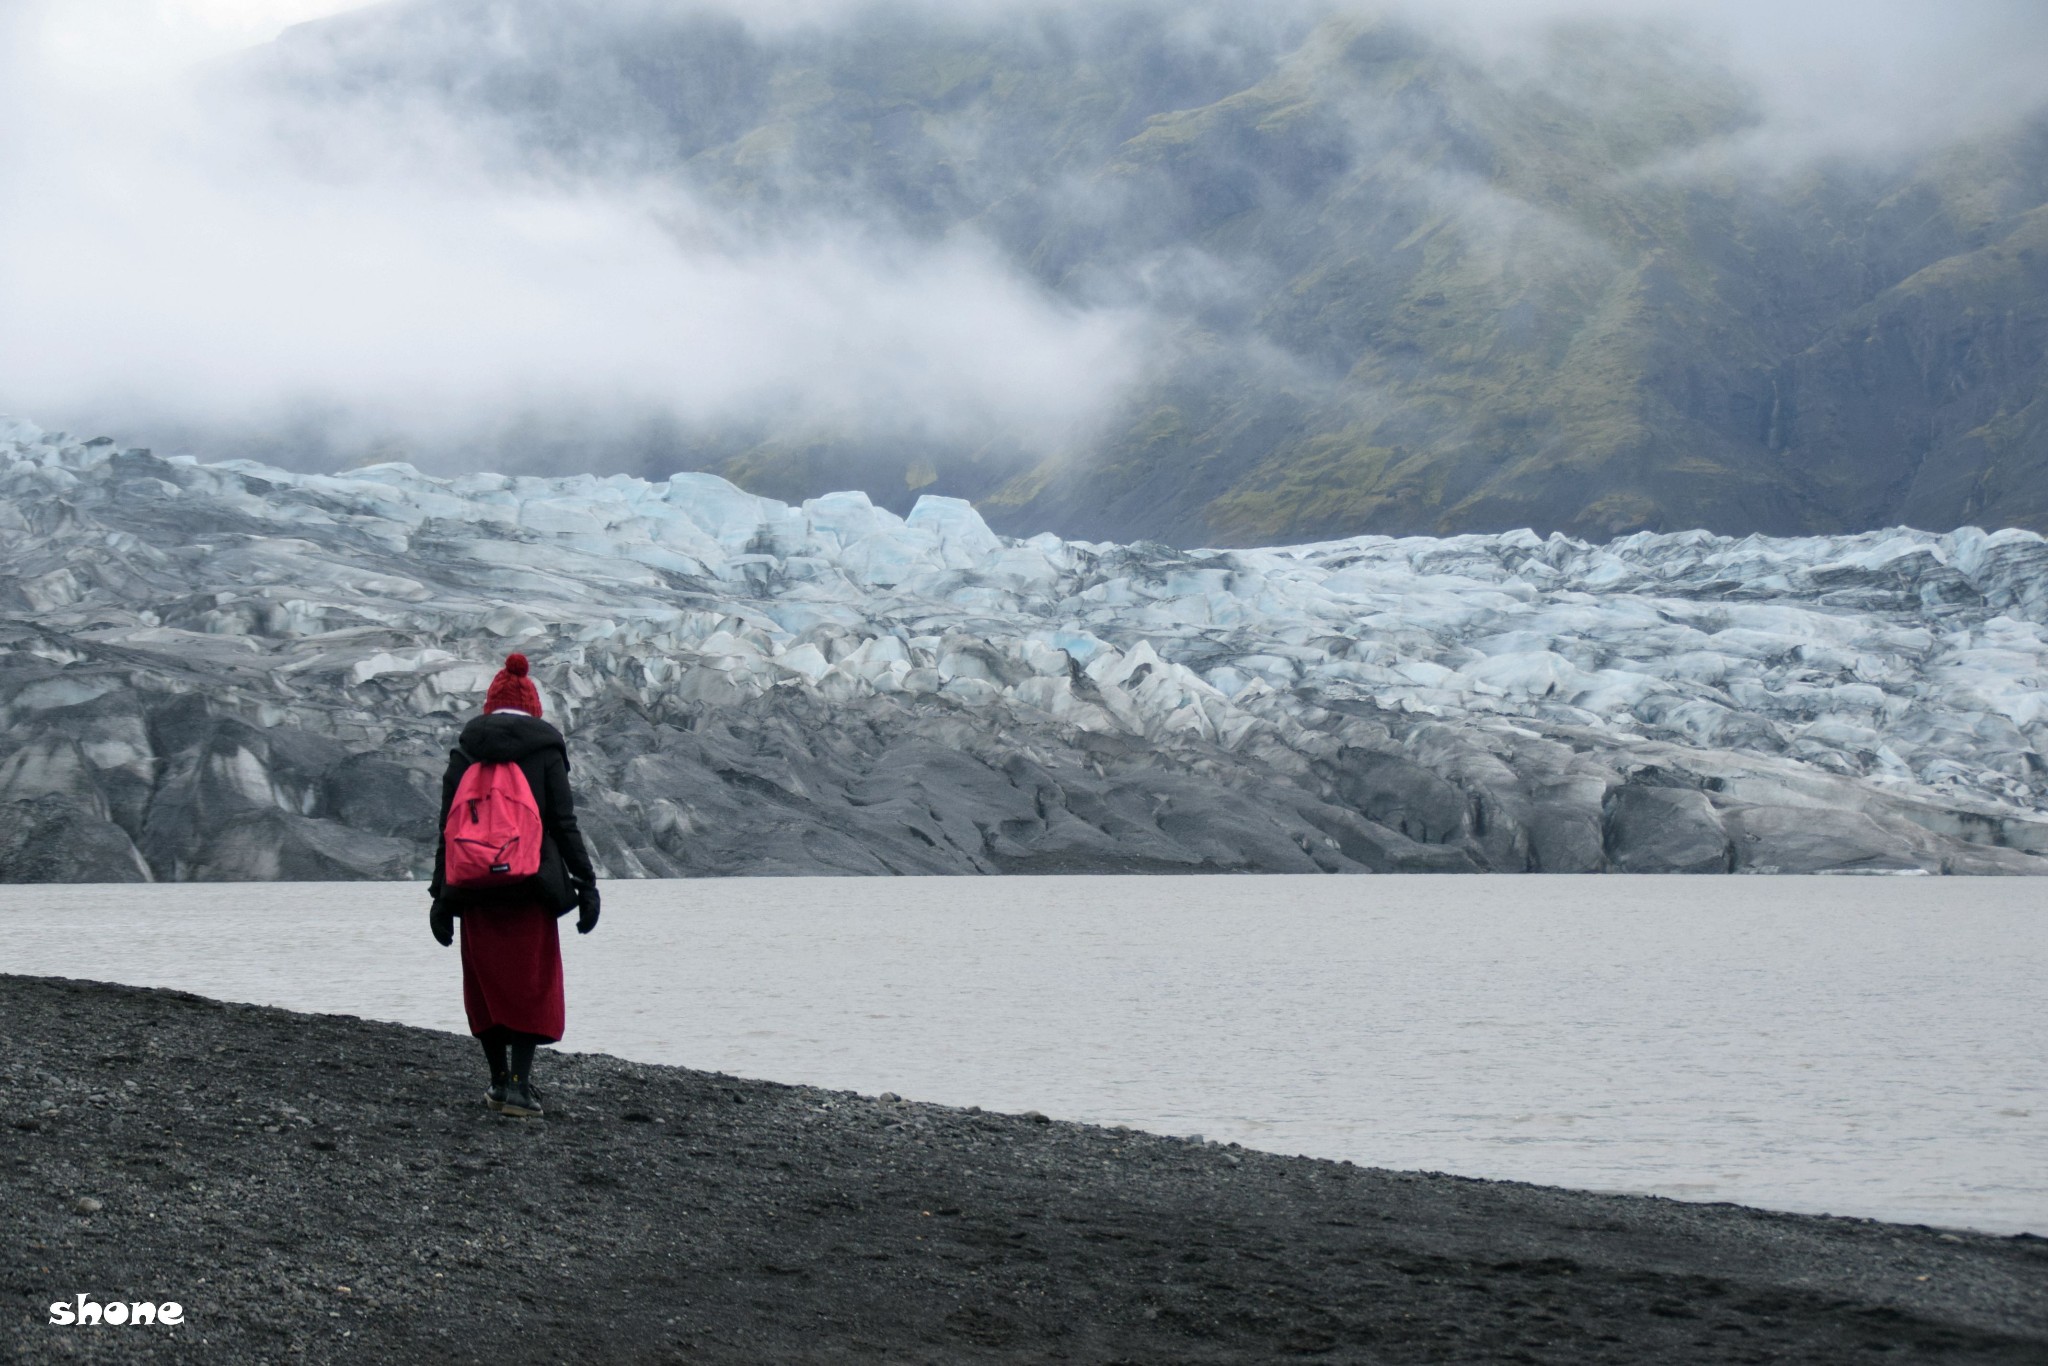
511 950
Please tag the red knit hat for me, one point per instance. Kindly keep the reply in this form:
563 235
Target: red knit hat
512 688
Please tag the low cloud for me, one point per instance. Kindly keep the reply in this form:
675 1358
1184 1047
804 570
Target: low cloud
1868 80
1834 77
176 285
172 260
169 259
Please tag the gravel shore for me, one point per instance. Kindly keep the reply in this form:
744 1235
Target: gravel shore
324 1188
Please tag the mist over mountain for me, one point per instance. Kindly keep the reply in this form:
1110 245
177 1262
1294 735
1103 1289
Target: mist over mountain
1201 274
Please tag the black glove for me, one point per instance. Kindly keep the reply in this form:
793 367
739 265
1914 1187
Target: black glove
587 901
441 921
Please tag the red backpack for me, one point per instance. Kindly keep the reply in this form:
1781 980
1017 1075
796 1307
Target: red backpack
493 832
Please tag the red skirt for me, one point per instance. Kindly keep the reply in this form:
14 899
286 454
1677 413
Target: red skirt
512 970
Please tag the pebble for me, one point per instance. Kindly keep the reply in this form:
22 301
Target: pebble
1042 1238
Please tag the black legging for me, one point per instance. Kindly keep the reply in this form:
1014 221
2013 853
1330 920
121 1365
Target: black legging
499 1042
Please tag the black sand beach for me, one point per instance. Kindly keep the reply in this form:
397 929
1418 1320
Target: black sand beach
322 1188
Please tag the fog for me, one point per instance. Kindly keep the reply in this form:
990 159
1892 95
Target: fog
1837 77
183 256
165 260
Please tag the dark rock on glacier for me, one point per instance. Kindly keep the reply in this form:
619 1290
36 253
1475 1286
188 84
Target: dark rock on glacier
1666 830
1565 826
370 792
225 672
54 839
1403 796
270 846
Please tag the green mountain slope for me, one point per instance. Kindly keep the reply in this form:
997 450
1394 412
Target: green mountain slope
1393 287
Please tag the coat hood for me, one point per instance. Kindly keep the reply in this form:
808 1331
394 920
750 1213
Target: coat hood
506 738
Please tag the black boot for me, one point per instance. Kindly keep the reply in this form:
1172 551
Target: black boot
494 1052
521 1100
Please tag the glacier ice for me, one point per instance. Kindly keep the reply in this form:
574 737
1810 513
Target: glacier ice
226 670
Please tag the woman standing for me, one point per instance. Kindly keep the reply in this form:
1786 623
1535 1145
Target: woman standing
511 953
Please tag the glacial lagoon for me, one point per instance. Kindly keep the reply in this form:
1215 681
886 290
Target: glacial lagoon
1873 1046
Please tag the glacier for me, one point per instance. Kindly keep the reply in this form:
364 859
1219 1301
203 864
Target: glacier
229 671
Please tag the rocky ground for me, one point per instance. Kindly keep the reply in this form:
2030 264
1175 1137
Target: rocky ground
320 1188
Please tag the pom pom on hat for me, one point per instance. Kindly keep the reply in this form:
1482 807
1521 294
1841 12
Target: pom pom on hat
512 690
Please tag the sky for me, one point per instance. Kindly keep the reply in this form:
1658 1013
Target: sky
160 259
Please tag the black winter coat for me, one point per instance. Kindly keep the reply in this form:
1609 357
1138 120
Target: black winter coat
542 754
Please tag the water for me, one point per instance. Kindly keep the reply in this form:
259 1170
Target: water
1869 1046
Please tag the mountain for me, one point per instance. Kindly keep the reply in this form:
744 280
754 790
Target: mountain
230 671
1389 285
